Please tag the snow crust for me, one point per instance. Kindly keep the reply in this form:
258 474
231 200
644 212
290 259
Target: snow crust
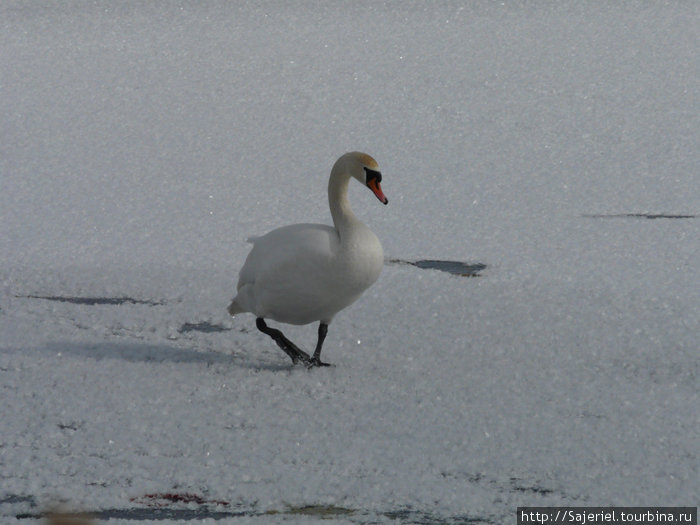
143 143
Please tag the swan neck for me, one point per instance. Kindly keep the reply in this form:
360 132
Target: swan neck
342 214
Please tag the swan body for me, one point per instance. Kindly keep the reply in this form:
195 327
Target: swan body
304 273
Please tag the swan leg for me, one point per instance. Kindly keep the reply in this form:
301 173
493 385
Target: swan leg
293 351
316 359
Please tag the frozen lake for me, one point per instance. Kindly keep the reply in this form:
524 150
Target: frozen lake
552 150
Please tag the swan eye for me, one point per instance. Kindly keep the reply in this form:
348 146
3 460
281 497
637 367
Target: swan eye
373 175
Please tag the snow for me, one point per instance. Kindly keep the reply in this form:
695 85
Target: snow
143 143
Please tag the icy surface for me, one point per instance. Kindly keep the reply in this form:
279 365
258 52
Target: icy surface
142 143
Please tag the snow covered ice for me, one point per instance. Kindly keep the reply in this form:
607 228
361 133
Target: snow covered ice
142 143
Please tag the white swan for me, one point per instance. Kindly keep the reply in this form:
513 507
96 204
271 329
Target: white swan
303 273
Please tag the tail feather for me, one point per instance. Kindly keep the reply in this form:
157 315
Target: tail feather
234 308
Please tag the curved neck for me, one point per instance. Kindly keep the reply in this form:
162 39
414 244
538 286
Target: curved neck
343 217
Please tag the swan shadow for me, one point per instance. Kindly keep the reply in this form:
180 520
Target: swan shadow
136 352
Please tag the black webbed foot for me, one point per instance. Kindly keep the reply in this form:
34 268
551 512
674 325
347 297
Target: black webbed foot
315 361
295 353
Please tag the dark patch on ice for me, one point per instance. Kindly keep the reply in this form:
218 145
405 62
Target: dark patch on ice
161 499
471 478
454 267
92 301
509 485
407 517
17 505
460 268
214 511
147 514
16 498
204 326
169 506
425 518
73 425
317 511
517 485
138 352
639 216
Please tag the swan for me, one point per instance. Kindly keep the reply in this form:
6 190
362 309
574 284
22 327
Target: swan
303 273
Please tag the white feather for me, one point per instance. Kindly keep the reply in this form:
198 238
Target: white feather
303 273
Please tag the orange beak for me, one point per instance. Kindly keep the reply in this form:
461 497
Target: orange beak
377 190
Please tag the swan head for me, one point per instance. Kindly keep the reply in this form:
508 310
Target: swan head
366 170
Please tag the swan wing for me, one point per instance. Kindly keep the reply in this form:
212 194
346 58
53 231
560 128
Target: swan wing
288 275
293 251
